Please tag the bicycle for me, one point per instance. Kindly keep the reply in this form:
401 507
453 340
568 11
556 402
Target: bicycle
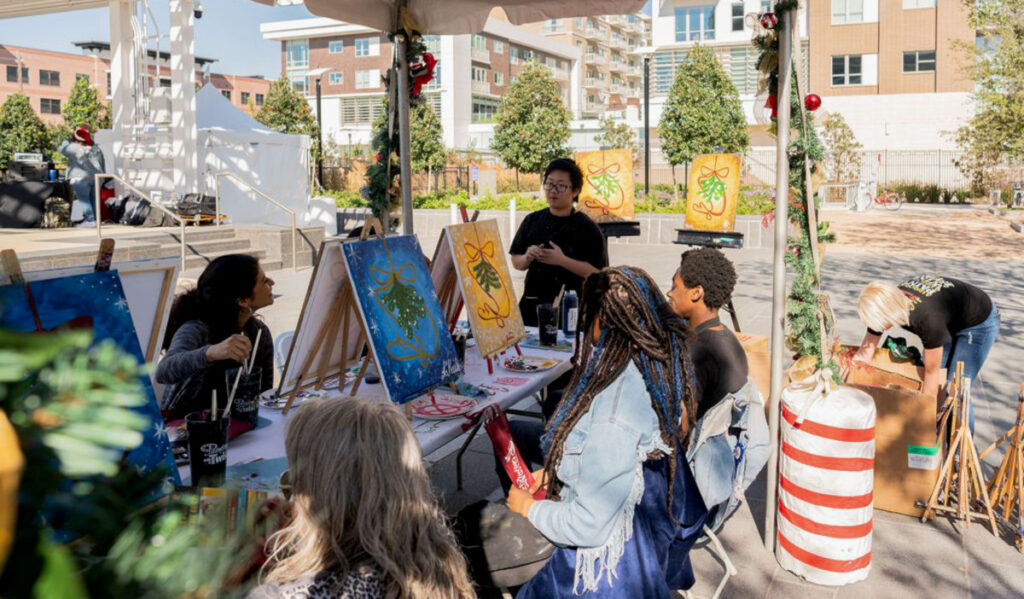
890 199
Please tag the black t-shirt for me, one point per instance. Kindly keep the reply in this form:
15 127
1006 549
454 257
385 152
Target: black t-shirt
579 238
942 307
719 363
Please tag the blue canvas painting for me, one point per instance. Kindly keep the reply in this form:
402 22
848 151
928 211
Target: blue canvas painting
94 301
407 330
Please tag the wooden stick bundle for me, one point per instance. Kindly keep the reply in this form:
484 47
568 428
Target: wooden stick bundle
1006 487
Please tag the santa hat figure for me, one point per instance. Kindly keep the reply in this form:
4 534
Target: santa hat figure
83 135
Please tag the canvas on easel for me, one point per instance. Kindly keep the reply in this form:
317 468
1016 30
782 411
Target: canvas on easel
442 273
607 194
329 337
486 286
404 322
712 192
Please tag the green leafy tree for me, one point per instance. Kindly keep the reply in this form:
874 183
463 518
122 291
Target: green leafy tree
616 135
84 107
21 130
428 151
286 110
702 111
532 124
843 160
996 62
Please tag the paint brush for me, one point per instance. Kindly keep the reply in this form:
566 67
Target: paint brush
231 395
252 354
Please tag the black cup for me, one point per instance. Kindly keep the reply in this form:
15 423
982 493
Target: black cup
246 406
207 448
546 329
459 339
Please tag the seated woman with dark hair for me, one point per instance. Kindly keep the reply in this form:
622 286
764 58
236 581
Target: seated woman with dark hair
622 505
211 329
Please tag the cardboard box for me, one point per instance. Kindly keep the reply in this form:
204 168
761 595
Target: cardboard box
907 452
759 361
754 343
864 374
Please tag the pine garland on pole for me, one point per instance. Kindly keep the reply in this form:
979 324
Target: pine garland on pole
804 306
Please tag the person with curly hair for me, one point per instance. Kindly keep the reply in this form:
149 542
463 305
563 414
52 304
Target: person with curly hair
622 505
702 284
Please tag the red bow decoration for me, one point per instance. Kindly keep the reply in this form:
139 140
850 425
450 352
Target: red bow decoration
422 72
771 104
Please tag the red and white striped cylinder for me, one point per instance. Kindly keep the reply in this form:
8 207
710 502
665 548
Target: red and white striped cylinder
826 482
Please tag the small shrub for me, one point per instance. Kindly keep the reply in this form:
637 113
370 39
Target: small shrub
347 199
928 193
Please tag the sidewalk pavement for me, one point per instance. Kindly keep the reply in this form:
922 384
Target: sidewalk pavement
937 560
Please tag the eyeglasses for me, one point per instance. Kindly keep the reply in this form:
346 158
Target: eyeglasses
556 187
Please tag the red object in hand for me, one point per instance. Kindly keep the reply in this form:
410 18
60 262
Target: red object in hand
812 102
505 448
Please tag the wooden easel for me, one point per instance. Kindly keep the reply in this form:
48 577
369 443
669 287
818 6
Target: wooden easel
1006 487
448 291
11 267
343 313
962 467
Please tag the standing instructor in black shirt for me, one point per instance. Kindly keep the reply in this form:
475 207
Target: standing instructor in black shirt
558 246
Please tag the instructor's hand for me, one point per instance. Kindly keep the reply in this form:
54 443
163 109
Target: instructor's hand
236 347
554 256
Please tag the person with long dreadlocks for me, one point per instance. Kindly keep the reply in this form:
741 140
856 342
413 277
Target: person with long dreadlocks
622 506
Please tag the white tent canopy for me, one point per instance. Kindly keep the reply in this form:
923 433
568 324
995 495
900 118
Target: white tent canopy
459 16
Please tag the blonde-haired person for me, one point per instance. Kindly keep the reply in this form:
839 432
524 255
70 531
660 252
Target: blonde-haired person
956 322
366 522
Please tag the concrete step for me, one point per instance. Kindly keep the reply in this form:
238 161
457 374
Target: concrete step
199 262
216 246
170 235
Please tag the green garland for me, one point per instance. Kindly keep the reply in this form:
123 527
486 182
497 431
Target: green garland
803 303
381 190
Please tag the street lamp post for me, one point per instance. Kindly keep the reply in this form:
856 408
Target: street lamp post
318 75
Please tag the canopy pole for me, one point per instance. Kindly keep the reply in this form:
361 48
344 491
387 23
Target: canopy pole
778 334
404 157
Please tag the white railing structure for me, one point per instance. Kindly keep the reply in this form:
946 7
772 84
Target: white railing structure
137 191
217 178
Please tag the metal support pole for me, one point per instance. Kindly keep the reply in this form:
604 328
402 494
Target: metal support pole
182 223
319 137
647 125
216 200
778 333
404 158
295 254
96 198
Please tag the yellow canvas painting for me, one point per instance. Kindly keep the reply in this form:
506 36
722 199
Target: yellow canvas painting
712 192
486 285
607 194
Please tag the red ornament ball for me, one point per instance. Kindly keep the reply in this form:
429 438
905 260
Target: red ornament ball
768 20
812 102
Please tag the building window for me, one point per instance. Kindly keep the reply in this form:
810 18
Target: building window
553 25
226 93
479 74
335 46
51 78
367 79
847 11
919 62
911 4
367 46
361 111
296 53
259 99
499 78
499 47
49 106
12 74
479 43
695 23
164 82
299 83
484 110
743 69
766 5
245 97
81 76
336 78
847 70
737 16
108 83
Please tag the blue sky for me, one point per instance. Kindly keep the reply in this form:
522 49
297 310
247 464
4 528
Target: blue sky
228 32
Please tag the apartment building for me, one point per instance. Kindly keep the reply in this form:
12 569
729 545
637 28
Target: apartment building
473 72
47 77
612 71
890 67
893 69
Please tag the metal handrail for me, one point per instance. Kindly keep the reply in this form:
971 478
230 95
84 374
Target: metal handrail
137 191
235 176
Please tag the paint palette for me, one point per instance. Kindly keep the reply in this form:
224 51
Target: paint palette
529 364
442 407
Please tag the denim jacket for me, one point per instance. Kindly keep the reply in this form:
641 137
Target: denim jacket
728 448
602 471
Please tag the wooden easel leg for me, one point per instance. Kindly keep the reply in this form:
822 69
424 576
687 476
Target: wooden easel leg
732 313
362 373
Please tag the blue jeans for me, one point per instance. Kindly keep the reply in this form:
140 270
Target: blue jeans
971 346
82 209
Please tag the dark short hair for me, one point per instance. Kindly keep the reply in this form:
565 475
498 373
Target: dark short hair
710 269
568 166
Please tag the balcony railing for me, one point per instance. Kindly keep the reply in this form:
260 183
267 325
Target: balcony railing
593 82
481 87
594 106
594 58
560 74
481 55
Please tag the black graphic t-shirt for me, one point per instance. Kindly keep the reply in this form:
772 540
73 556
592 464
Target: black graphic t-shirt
942 307
579 238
